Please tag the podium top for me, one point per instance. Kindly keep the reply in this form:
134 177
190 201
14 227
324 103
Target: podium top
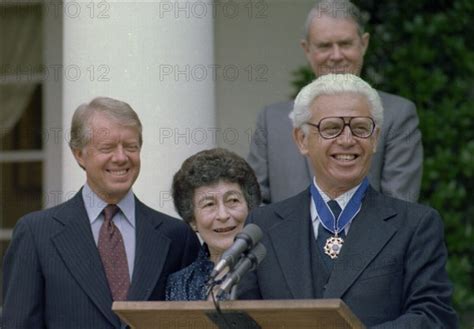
274 314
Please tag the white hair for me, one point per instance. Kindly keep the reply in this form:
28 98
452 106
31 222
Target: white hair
332 84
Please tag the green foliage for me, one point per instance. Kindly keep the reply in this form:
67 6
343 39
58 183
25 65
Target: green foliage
423 50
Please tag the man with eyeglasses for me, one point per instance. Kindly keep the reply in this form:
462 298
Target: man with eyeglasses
335 42
339 238
331 127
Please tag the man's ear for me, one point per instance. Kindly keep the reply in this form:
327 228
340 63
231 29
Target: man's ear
376 141
365 41
79 155
305 45
300 140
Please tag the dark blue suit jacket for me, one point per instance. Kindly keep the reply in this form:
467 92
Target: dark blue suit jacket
53 275
391 270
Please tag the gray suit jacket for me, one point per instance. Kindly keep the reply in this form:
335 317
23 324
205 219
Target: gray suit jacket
283 172
53 275
390 272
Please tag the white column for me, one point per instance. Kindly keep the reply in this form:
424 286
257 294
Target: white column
53 135
158 57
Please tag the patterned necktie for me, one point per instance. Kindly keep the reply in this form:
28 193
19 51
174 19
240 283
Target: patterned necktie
112 252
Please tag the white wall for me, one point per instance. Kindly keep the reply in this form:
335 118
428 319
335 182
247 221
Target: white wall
248 49
263 42
138 53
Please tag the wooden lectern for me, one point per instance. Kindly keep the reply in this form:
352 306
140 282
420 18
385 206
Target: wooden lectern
239 314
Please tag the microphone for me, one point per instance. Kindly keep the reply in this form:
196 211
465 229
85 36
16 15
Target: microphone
247 263
243 241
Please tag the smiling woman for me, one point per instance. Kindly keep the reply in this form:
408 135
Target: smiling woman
220 211
213 192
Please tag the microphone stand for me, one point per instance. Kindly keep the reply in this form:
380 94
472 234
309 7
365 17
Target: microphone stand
233 292
230 319
234 319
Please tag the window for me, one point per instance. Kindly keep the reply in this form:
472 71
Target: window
21 114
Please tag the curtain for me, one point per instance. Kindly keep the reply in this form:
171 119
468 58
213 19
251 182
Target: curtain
20 59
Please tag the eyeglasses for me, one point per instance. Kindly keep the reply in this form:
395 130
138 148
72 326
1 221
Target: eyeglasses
331 127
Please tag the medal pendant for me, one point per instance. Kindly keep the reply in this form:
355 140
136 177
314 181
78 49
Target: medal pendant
333 246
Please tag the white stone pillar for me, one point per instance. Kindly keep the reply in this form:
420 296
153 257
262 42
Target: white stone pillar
158 57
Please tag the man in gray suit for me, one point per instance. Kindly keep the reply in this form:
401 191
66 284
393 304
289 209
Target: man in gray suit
339 238
66 265
335 42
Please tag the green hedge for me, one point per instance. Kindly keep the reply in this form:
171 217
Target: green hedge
423 50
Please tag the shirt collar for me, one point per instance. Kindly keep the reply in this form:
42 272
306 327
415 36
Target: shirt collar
342 200
94 205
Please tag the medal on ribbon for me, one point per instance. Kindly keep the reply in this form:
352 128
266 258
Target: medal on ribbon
333 245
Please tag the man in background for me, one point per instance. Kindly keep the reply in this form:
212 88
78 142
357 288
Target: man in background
335 42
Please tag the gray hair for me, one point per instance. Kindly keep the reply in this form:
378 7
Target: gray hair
332 84
334 9
119 111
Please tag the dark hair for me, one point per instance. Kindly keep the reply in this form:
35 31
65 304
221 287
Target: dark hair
207 168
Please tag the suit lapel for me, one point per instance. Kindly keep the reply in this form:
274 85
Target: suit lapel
151 252
290 240
368 234
76 247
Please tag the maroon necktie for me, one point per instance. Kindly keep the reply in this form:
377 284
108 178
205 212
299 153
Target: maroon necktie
112 252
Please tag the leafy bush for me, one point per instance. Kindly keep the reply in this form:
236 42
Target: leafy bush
423 50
